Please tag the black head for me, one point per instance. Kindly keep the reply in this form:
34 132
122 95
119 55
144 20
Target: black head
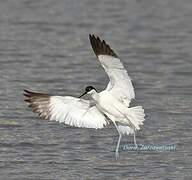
89 88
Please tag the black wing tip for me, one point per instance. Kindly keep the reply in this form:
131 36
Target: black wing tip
31 95
100 47
26 93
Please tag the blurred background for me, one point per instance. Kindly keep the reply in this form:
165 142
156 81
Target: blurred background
44 47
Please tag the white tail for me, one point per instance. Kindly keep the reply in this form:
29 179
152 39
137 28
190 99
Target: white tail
125 129
136 117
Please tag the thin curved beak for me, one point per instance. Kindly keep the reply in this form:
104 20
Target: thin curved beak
83 94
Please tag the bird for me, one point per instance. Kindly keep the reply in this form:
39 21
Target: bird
110 106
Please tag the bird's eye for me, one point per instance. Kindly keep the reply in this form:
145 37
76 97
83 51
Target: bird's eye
89 88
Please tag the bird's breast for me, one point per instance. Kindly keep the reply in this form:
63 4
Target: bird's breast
107 104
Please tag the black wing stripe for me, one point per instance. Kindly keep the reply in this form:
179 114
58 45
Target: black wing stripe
101 47
39 103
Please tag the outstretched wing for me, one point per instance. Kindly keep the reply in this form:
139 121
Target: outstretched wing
69 110
120 85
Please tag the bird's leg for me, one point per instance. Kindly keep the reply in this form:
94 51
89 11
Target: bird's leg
117 148
134 136
118 143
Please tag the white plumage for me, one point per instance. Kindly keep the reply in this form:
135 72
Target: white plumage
76 112
120 85
112 104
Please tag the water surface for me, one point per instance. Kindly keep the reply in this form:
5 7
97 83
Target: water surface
44 47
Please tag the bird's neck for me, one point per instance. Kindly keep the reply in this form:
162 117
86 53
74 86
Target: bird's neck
95 96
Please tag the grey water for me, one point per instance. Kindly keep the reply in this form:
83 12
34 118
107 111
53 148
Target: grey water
44 47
